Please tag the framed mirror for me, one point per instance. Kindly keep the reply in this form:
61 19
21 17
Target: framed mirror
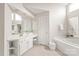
73 28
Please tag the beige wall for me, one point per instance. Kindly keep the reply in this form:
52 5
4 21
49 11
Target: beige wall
8 27
1 29
57 16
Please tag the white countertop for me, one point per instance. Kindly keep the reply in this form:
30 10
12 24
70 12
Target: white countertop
19 36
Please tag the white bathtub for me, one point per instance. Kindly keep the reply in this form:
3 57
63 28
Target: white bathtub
68 46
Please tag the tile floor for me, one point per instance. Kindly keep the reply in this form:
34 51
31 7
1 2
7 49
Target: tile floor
40 50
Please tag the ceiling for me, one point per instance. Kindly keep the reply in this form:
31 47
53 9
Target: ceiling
32 9
36 8
44 6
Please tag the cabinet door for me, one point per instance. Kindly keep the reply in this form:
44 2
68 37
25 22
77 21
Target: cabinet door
30 43
25 44
21 45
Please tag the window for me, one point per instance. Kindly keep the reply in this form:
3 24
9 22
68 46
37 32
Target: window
16 17
73 7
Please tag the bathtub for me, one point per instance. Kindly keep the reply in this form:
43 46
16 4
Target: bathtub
68 46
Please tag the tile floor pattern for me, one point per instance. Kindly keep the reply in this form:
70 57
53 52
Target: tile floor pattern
40 50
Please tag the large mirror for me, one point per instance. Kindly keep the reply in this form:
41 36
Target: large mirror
74 26
73 20
21 24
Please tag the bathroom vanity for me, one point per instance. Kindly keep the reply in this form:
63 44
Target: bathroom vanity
20 43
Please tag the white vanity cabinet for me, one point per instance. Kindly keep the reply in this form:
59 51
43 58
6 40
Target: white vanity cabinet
25 43
20 44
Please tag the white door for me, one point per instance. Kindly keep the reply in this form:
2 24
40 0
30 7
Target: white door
43 26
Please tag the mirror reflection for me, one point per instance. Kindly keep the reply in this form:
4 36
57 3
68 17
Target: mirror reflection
73 20
20 24
74 28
